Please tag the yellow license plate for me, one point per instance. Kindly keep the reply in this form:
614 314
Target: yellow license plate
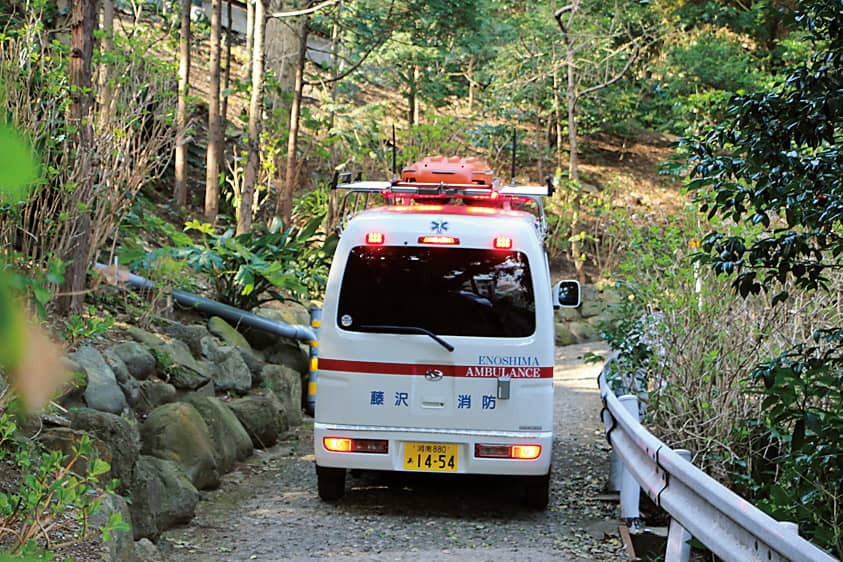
435 457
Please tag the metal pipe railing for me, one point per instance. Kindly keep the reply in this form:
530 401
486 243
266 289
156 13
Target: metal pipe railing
234 315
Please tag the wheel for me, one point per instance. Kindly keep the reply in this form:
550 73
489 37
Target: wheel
331 482
538 491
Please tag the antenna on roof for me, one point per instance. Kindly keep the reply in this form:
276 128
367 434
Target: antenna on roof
514 133
394 155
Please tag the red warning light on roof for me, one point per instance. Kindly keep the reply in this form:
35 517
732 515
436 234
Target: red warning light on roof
440 240
503 243
374 238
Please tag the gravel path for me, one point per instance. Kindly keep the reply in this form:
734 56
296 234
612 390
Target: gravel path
269 510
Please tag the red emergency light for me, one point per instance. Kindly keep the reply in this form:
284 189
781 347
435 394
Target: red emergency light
439 240
375 238
503 243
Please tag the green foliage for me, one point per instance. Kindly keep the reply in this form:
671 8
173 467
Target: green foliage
18 166
265 264
82 328
50 487
775 163
802 432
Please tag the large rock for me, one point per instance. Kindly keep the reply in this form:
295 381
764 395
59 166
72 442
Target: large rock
121 372
229 438
146 551
583 331
154 393
162 497
260 416
568 314
596 300
120 547
119 435
286 384
102 392
181 368
65 440
564 336
177 432
290 354
146 338
233 374
139 361
190 334
226 332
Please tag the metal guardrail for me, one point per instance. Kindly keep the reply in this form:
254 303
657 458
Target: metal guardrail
731 527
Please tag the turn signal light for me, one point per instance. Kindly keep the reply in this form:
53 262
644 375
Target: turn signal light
526 452
346 445
503 243
374 238
520 452
441 240
337 444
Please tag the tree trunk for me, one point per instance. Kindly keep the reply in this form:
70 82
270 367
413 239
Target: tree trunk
212 190
471 83
416 103
250 33
284 208
83 20
557 115
226 82
106 93
244 220
180 190
573 168
335 71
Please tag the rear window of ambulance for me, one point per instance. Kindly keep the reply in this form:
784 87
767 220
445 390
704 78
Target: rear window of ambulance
449 291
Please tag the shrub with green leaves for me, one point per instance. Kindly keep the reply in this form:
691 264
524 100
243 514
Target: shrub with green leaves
50 485
268 263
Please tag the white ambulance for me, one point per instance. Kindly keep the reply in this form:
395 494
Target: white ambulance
437 338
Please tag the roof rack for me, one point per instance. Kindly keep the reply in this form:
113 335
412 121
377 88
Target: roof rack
442 178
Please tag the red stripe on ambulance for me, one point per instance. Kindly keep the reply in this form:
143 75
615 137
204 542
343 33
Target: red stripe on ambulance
469 371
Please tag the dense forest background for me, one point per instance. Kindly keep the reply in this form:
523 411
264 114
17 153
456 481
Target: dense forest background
150 136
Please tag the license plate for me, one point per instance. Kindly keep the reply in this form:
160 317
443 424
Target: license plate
435 457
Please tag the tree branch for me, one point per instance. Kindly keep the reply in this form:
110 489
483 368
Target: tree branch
363 58
615 78
304 11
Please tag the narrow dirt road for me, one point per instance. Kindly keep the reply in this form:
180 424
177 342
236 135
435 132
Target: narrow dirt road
269 510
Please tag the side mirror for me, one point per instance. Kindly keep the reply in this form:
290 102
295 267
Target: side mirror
567 294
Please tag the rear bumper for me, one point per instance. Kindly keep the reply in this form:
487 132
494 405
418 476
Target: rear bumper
465 441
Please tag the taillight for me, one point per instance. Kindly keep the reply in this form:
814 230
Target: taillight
520 452
374 238
441 240
503 243
347 445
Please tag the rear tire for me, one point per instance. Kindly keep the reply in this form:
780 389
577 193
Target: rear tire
331 482
538 491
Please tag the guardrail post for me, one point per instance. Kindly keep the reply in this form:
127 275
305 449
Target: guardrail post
315 323
630 490
678 545
615 466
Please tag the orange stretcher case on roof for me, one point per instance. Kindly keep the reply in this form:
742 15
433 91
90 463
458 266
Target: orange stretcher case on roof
454 170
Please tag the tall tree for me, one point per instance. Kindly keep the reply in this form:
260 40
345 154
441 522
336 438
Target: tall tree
105 90
83 21
244 220
284 204
180 190
598 53
226 83
212 189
